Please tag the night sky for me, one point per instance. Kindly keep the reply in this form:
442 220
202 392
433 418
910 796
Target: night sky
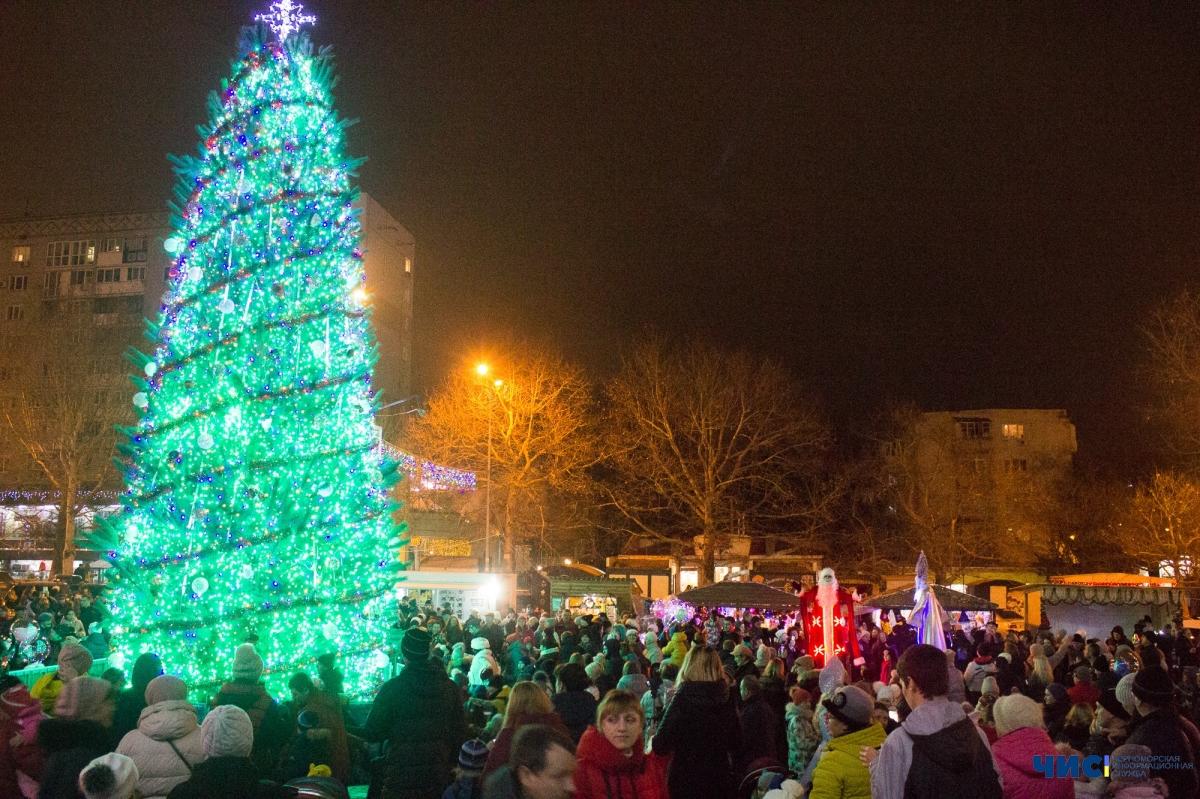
960 207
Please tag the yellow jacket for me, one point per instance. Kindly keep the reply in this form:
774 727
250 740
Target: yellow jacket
840 774
46 691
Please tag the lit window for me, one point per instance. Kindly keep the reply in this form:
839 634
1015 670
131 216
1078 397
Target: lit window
15 313
70 253
18 282
408 265
1016 431
20 255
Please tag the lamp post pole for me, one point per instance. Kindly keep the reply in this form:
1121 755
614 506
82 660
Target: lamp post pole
487 514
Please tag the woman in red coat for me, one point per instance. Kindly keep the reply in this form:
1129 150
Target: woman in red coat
611 761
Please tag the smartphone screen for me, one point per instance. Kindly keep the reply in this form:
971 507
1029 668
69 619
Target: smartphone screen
895 715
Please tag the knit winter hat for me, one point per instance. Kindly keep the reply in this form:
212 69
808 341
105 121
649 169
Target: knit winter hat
1015 712
1108 700
73 661
82 699
415 645
851 705
226 732
247 663
165 688
990 686
111 776
473 755
1084 674
1154 687
1124 692
741 650
479 644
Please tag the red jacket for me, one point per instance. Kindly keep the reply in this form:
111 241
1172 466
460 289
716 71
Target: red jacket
1083 693
604 773
1014 755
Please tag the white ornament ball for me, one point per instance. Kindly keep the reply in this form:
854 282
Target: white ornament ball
225 306
325 490
206 441
266 423
199 586
117 660
194 273
141 400
173 245
246 572
150 369
315 220
381 659
317 347
329 630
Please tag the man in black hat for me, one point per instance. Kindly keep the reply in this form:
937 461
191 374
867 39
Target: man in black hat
1160 728
419 714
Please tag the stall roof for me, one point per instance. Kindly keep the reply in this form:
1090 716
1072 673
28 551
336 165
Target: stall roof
1113 578
948 597
730 594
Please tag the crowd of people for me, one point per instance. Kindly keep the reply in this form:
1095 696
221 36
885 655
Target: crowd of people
539 706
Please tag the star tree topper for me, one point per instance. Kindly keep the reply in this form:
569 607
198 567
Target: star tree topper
286 18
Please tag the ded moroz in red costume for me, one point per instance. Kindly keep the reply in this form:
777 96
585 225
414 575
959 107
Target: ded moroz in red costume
828 615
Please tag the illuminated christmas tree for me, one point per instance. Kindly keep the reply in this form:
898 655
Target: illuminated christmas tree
257 497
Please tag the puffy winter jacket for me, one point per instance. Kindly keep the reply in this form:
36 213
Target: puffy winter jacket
803 736
676 649
603 772
840 774
977 671
483 659
1014 754
149 746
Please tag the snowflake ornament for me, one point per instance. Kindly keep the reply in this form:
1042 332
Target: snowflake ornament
285 18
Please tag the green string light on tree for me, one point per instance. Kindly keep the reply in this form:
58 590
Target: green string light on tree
257 499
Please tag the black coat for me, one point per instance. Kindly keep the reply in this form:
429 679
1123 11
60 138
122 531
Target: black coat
68 746
419 714
577 709
758 725
228 778
701 730
1163 732
776 695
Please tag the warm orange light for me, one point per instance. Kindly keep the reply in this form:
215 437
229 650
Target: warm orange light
567 561
482 368
498 383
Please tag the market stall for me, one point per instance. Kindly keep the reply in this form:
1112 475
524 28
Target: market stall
594 595
1098 602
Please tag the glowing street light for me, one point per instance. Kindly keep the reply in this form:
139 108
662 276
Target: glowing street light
482 369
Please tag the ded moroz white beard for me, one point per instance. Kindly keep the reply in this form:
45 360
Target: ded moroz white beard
827 594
